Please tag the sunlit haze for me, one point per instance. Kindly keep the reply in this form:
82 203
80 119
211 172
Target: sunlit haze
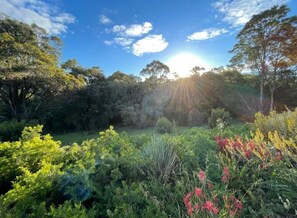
183 63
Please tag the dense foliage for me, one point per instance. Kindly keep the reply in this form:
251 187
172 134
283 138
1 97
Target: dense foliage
196 174
69 97
219 118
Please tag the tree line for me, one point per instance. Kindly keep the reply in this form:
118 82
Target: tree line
66 96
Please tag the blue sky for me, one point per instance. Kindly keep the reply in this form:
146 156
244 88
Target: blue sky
127 35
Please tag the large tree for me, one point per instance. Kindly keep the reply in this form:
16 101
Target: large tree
28 67
155 73
267 45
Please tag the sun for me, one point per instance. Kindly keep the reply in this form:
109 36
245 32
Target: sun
182 63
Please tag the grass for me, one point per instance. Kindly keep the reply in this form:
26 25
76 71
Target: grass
80 136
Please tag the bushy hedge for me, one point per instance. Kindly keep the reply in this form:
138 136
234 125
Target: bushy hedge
164 125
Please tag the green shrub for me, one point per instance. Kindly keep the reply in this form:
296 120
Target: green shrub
219 118
194 147
164 125
11 130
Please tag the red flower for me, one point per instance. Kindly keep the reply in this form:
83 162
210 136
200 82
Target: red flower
198 192
215 210
202 176
226 175
208 205
190 211
187 198
248 154
237 204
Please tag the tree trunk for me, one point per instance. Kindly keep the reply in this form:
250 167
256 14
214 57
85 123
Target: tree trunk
272 89
261 93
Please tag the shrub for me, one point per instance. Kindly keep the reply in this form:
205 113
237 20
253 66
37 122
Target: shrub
11 130
284 123
194 147
219 118
164 125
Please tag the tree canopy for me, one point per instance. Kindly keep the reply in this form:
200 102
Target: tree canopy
28 66
267 45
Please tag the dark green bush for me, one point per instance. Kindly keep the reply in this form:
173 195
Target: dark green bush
11 130
219 118
164 125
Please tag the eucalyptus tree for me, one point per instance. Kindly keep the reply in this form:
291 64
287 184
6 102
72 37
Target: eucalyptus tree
29 69
267 45
155 73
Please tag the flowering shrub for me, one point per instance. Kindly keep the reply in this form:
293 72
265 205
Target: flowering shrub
284 123
205 201
275 148
263 168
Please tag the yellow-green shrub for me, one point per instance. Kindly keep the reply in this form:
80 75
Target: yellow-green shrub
284 123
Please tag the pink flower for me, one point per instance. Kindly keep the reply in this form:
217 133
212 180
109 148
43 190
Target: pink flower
248 154
187 198
198 192
202 176
215 210
208 205
226 175
190 211
237 204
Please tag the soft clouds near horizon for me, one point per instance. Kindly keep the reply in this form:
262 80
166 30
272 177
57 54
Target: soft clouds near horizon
206 34
38 12
239 12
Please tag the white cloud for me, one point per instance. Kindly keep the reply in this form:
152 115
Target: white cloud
36 11
149 44
105 20
134 30
138 29
123 41
239 12
207 34
118 28
107 42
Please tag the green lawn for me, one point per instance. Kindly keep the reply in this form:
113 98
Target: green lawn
80 136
